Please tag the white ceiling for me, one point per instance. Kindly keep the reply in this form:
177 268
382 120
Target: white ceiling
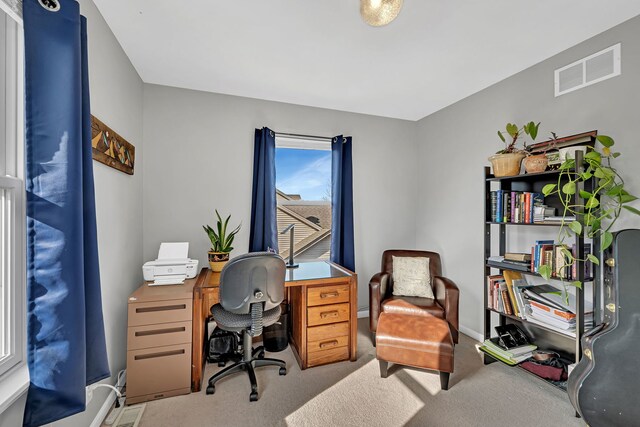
320 53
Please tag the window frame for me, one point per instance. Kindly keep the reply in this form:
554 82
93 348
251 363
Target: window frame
14 377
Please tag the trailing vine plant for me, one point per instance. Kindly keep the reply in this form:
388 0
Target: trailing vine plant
601 208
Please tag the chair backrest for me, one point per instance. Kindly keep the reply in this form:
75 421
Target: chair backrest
251 278
435 267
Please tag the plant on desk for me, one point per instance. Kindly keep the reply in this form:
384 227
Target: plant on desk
220 242
602 207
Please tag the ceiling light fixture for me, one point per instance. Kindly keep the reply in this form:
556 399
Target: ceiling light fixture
379 12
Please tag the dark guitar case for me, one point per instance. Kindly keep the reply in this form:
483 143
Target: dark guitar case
604 387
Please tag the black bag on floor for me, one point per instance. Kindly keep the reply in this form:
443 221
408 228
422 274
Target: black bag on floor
223 346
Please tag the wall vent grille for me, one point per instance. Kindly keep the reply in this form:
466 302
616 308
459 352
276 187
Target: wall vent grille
587 71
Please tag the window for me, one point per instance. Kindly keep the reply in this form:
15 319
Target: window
12 196
303 187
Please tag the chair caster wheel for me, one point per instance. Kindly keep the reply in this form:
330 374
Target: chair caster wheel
261 355
211 389
221 364
253 397
283 371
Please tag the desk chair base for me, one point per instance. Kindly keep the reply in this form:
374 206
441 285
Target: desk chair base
253 358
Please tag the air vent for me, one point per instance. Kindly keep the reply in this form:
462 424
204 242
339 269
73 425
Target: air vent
590 70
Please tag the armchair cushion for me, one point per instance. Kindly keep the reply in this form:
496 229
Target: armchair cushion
411 277
414 306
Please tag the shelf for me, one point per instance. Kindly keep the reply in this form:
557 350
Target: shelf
525 176
530 273
551 383
570 335
535 224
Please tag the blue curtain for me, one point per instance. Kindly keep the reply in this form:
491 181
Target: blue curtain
264 227
342 250
66 348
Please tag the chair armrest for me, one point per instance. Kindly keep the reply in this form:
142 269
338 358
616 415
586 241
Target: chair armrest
447 295
377 292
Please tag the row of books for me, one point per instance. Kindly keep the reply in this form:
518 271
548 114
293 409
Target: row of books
514 206
555 256
539 304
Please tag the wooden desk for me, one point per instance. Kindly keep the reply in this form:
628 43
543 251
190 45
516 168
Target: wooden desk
323 307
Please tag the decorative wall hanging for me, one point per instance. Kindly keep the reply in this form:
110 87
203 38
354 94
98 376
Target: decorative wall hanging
110 148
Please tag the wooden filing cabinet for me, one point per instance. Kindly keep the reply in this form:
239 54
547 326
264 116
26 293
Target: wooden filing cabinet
324 321
159 342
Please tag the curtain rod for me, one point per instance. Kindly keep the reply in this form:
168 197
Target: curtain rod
295 135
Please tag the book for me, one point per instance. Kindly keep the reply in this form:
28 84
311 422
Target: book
496 344
563 315
508 361
494 206
504 293
509 276
491 282
513 256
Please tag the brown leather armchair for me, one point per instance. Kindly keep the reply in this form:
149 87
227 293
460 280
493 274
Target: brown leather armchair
381 298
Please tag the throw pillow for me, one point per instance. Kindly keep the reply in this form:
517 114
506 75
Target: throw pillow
411 277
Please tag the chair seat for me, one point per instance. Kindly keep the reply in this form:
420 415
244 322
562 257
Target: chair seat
239 322
414 306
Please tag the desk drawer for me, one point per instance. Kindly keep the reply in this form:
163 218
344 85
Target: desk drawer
327 344
148 336
326 314
150 313
322 295
327 356
157 370
327 332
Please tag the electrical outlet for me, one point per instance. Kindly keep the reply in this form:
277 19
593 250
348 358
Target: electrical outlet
89 396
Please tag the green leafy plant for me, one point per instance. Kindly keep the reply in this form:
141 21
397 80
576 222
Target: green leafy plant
601 207
514 133
220 240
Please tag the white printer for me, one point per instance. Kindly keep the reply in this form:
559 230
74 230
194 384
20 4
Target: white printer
172 267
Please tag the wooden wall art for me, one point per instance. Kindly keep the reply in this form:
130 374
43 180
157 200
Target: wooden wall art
110 148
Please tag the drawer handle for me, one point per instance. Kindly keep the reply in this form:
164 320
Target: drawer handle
329 344
328 314
161 354
161 308
160 331
329 295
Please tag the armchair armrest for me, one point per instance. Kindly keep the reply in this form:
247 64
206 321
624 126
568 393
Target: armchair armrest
377 292
447 295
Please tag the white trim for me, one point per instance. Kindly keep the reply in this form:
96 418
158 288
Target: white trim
617 70
363 313
14 10
302 143
108 402
13 384
471 333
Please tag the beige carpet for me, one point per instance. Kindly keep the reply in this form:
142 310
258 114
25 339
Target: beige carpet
353 394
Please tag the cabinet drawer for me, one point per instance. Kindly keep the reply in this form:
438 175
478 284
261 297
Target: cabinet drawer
322 295
148 336
327 356
327 332
327 344
160 369
325 314
150 313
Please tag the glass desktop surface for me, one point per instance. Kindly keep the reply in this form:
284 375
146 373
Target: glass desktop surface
313 271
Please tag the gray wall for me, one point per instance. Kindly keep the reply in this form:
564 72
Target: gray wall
199 157
116 98
455 142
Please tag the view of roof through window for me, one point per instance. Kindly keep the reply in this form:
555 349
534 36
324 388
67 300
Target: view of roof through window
303 191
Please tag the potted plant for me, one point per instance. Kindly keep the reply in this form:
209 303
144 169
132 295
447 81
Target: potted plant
536 163
507 161
602 207
220 242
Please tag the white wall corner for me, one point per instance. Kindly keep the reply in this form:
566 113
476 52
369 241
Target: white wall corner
471 333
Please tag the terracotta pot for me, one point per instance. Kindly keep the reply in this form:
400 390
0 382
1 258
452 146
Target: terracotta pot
217 260
506 164
536 164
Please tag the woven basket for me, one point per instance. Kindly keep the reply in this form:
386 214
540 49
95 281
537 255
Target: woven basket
506 164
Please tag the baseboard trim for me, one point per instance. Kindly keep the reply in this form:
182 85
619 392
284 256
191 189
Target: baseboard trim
471 333
106 406
363 313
